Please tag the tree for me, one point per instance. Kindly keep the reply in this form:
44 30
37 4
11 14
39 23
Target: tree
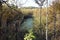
54 15
16 3
40 2
0 11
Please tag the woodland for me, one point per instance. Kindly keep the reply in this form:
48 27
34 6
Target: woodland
24 23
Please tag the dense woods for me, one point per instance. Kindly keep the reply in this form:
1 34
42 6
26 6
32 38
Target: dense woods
24 23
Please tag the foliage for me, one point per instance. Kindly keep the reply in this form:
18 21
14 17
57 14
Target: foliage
29 36
11 16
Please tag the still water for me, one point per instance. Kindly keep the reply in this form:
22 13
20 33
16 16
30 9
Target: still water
28 24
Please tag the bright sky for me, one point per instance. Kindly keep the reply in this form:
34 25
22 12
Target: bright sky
29 3
33 4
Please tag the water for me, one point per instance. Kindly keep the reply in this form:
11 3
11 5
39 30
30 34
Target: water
28 24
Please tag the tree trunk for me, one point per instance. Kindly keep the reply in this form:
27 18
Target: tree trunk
0 12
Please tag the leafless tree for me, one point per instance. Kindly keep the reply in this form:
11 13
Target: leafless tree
40 2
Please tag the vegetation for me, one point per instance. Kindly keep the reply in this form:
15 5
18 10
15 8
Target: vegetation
29 36
10 23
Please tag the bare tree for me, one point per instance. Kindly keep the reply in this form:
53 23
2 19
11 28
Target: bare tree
40 2
18 3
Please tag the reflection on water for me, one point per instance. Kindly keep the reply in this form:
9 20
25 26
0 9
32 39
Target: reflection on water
28 23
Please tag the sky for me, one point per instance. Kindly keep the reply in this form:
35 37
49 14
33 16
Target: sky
33 4
28 3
